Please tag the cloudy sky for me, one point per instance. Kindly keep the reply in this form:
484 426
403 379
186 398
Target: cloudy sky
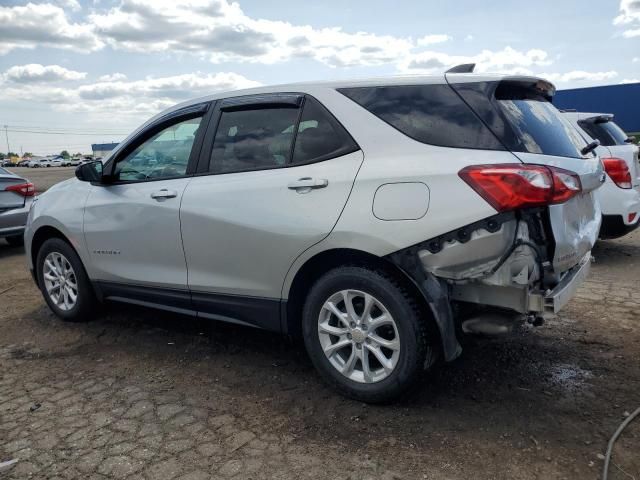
74 72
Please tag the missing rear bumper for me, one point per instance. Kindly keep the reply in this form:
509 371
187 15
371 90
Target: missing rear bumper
521 299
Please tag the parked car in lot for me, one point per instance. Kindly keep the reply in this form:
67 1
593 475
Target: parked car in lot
16 196
74 162
39 163
58 162
620 195
379 219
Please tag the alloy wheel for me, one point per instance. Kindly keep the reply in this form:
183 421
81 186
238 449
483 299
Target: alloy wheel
60 281
359 336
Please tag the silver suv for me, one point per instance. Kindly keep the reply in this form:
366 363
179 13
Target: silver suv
379 219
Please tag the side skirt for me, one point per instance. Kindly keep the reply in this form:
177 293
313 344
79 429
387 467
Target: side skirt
242 310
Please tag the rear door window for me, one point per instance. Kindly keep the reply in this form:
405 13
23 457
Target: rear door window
253 139
258 137
607 132
432 114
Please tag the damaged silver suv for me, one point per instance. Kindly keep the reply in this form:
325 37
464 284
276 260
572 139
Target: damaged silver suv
379 219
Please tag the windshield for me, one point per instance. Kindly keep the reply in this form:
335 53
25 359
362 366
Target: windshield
607 132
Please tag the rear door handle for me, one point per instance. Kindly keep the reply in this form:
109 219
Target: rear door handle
306 184
164 193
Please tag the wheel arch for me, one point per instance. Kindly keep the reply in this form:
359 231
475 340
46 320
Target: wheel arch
324 261
41 235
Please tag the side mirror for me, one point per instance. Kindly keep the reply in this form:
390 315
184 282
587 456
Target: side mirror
90 172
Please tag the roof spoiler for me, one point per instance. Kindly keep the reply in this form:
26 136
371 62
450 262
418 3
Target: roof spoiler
599 118
463 68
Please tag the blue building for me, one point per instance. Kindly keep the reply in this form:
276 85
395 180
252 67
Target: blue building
621 100
101 149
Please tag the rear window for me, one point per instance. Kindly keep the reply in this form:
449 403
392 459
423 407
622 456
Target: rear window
521 115
432 114
607 132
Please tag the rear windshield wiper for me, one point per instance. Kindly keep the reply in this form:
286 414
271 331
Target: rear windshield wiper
590 148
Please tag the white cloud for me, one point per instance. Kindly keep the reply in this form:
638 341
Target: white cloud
112 77
174 88
36 73
433 39
629 80
136 98
580 76
629 18
507 60
43 24
69 4
221 31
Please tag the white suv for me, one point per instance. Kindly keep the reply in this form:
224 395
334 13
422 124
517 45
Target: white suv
379 219
620 195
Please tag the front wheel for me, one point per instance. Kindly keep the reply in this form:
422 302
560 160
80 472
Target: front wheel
63 281
365 334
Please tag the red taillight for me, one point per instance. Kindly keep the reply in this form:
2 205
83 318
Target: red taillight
512 186
24 189
631 217
618 171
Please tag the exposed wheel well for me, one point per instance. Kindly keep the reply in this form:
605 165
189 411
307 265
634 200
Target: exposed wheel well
41 236
325 261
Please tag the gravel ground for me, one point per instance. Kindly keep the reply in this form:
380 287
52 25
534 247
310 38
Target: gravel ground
139 394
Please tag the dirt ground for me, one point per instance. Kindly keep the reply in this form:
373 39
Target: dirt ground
139 394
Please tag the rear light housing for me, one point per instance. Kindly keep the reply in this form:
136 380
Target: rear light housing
513 186
24 189
618 171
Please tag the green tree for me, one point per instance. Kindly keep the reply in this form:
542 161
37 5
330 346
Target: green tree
64 154
27 155
12 154
2 156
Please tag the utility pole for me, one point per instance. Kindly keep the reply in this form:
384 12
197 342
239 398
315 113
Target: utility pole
6 134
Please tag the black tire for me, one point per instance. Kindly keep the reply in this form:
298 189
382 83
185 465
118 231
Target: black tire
86 301
416 347
15 240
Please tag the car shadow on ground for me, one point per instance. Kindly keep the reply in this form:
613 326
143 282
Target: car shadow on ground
522 364
7 250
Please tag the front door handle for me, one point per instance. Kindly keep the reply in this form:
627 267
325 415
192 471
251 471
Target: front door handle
164 193
306 184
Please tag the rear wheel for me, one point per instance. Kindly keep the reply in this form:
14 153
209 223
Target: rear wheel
15 240
64 282
365 334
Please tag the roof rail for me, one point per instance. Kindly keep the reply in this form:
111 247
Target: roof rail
463 68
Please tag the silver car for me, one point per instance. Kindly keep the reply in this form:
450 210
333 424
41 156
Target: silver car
16 196
379 219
